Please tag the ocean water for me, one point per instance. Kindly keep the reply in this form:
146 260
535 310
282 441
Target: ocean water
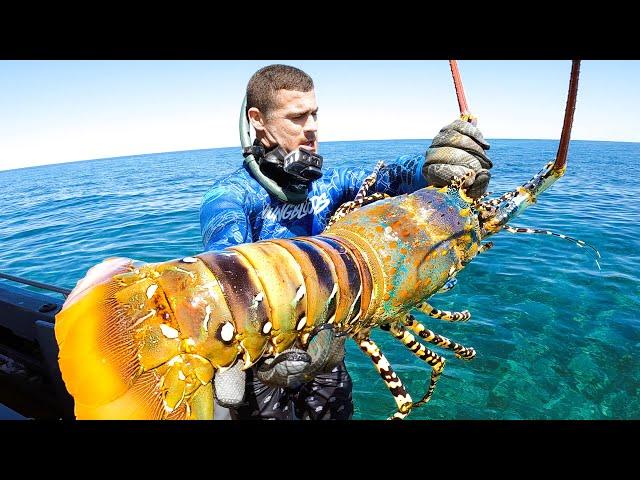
556 337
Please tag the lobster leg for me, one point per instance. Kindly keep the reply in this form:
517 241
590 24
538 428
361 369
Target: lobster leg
391 380
368 182
361 197
423 353
353 205
466 353
463 316
484 247
497 201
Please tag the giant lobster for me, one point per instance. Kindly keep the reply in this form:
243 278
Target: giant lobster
145 341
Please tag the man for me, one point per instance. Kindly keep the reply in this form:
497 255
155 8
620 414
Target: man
266 199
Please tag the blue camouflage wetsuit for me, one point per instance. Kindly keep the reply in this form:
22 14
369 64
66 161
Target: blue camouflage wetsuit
237 209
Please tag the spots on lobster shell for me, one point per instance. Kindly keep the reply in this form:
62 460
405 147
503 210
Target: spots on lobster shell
205 322
151 290
227 331
144 317
355 307
266 328
257 299
168 331
332 304
299 294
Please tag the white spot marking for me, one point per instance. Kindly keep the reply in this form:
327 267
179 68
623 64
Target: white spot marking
142 319
299 294
267 328
256 300
181 375
246 358
353 306
205 322
189 260
151 290
318 408
174 360
333 293
227 332
301 323
390 235
168 331
191 274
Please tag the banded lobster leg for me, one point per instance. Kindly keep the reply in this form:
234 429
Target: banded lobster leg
466 353
430 310
399 331
423 353
391 380
361 199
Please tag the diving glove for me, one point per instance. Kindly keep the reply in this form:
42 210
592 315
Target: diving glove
458 148
293 367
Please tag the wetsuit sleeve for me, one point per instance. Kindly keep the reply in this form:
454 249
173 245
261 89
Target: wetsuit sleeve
404 175
223 219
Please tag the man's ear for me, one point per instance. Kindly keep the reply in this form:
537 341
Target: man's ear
256 118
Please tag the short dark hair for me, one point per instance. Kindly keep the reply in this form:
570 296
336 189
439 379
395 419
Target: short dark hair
263 85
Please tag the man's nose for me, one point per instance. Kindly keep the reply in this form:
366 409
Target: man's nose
311 125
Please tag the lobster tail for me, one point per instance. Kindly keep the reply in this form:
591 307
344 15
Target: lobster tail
144 343
84 331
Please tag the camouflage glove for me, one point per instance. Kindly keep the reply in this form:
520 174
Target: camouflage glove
289 369
293 367
457 149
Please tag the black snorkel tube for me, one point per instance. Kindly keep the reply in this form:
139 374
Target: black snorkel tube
251 163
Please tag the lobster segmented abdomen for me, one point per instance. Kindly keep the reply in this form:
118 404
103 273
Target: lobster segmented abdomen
146 340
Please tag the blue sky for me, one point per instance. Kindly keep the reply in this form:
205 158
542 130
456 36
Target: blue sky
60 111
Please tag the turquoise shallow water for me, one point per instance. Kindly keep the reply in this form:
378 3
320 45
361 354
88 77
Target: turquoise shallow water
556 337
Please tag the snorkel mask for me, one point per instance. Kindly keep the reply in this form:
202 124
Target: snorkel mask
301 164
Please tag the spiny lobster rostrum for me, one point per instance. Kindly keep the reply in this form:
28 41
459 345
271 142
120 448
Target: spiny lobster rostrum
146 340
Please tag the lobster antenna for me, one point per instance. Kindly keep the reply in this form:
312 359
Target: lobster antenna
465 114
563 148
580 243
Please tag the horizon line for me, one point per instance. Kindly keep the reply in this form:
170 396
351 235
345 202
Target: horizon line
324 141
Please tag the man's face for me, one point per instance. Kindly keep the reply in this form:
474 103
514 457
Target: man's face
292 124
